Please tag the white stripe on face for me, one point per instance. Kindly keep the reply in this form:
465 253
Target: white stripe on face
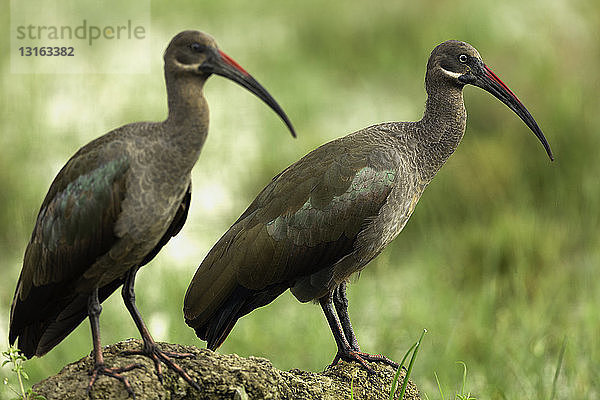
450 73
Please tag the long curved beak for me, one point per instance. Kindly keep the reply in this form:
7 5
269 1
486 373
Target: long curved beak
221 64
483 77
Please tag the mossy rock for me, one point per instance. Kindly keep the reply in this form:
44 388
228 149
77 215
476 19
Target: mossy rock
220 376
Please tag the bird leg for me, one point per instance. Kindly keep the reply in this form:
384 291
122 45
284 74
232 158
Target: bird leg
150 348
345 351
94 310
340 301
348 348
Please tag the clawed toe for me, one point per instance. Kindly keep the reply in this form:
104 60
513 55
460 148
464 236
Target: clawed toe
101 369
158 356
362 358
379 358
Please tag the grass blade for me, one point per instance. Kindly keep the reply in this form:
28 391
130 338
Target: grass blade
414 348
410 365
557 373
397 375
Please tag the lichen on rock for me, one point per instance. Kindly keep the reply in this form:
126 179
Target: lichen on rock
221 376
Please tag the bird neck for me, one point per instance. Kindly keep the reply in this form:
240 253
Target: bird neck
442 126
187 122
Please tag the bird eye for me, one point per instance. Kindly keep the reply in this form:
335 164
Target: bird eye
197 47
462 58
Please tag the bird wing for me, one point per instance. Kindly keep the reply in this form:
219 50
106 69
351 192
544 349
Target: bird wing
73 228
304 221
313 237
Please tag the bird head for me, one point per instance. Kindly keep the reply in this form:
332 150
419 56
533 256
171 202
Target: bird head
458 63
193 53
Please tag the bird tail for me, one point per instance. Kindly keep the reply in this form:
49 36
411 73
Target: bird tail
219 325
40 337
215 328
40 330
216 299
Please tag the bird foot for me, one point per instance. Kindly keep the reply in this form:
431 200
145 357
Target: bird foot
101 369
362 358
157 355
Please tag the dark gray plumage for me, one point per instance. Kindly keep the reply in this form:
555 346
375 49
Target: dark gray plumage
326 216
114 205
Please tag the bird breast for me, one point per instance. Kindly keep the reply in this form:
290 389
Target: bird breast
387 225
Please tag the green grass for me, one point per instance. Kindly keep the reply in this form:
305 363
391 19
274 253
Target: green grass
460 395
500 259
414 349
14 359
558 367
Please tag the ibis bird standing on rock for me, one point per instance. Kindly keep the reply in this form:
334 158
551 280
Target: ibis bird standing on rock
328 215
112 208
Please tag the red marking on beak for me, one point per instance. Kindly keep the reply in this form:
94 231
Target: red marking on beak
495 78
232 62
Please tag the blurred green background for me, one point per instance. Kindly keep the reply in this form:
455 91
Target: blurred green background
500 260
